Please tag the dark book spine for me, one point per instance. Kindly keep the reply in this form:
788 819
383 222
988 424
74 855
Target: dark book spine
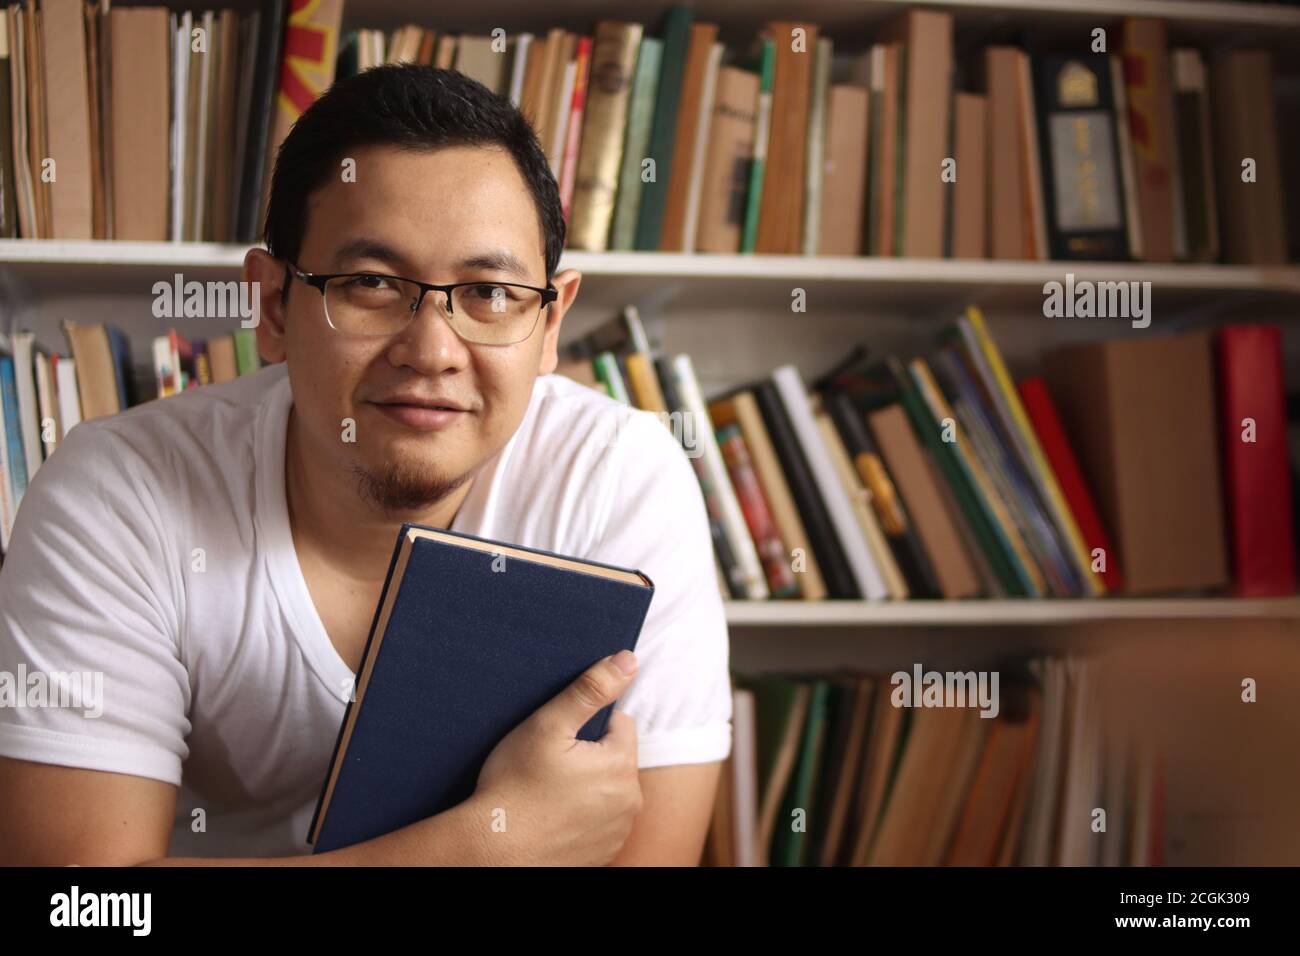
663 128
8 211
885 500
266 74
817 521
1083 191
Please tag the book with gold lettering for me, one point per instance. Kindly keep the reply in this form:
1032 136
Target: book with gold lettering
1078 142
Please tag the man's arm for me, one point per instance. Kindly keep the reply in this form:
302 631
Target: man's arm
674 818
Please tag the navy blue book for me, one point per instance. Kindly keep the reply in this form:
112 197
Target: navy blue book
470 637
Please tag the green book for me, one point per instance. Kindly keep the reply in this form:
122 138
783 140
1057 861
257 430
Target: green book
246 357
790 841
766 64
952 460
640 116
609 375
663 131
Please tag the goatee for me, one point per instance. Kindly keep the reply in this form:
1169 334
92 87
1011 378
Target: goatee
398 487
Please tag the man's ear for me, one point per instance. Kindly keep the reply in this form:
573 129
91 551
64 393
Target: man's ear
566 284
270 276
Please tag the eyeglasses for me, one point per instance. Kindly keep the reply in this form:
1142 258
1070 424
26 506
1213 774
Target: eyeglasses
483 313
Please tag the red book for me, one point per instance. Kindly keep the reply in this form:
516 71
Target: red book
1056 446
569 173
758 516
1257 477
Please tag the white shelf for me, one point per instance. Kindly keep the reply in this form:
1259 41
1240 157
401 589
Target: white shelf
984 613
710 281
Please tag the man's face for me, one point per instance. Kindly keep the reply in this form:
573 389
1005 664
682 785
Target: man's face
449 215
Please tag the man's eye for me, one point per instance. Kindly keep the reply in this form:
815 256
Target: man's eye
369 282
488 292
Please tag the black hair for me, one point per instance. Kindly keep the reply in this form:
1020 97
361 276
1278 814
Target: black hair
409 106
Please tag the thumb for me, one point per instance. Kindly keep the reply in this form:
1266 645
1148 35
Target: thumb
598 685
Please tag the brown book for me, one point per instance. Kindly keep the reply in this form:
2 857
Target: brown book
221 356
141 95
446 53
1141 414
940 538
886 61
533 72
996 797
879 756
780 215
1007 201
96 371
726 170
931 748
844 171
961 775
1245 126
1031 165
1146 71
970 191
847 768
428 46
24 187
38 143
222 169
601 152
559 101
926 39
99 185
673 237
476 59
547 88
742 408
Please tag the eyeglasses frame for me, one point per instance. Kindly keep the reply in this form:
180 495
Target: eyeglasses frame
318 280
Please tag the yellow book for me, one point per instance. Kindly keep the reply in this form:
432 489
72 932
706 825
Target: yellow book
1046 477
646 392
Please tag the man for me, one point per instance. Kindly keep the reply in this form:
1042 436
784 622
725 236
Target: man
217 556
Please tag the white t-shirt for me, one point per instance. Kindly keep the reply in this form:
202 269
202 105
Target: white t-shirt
154 548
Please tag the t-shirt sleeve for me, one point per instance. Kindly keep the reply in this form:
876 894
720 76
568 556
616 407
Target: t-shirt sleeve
656 523
90 670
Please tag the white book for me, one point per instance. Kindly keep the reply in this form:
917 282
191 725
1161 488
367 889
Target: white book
564 106
522 43
29 414
815 146
744 771
714 470
69 394
180 96
857 552
702 124
48 405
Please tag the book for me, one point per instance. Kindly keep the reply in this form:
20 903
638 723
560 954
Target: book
844 173
655 191
1256 476
459 614
1082 182
815 147
614 57
1248 170
640 117
8 207
925 43
1192 141
691 107
970 191
1146 71
1142 416
765 66
1009 235
139 85
780 220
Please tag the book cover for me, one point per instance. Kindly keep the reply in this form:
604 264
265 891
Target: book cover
472 636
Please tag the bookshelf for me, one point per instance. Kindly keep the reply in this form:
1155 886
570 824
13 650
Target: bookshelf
732 314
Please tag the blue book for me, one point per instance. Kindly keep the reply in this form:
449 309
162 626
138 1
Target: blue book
470 637
13 429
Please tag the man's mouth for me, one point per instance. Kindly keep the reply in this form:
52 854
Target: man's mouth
425 414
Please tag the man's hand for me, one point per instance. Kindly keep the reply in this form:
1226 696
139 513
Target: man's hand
544 798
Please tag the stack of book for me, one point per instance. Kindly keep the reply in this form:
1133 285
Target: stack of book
889 146
1133 466
883 770
44 394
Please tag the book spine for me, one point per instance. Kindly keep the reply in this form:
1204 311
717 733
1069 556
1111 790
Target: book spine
780 578
762 134
627 205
